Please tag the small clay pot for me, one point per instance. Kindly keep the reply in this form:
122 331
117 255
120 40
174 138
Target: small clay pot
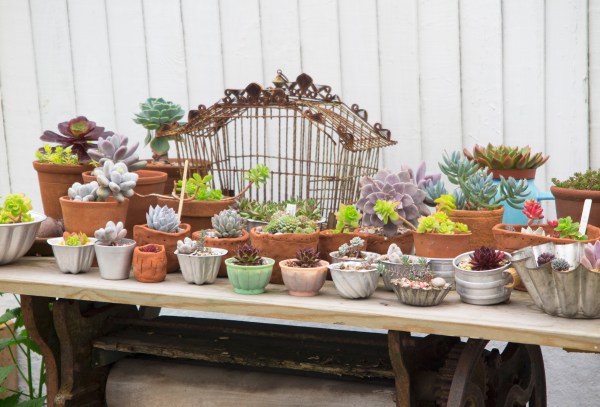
329 241
480 224
303 282
197 214
437 245
380 244
230 244
282 247
143 235
55 181
150 267
87 217
569 202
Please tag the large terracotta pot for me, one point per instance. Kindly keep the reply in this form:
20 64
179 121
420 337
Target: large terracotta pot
197 213
437 245
380 244
55 181
175 171
282 247
149 182
480 224
87 217
149 267
143 235
229 244
330 242
569 202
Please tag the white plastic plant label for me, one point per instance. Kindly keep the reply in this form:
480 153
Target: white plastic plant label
290 209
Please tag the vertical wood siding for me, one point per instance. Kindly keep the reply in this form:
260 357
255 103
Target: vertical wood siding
440 74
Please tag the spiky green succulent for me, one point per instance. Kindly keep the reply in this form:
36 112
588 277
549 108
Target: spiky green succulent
154 113
163 219
505 157
228 224
282 222
347 218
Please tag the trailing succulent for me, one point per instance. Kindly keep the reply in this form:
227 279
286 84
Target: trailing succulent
486 258
503 157
282 222
111 235
228 224
80 134
247 255
307 258
589 181
15 209
591 256
115 148
162 219
400 201
116 180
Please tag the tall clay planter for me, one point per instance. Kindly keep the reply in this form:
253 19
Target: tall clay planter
569 202
282 247
437 245
143 235
303 281
197 213
380 244
149 267
330 241
230 244
55 181
87 217
480 224
149 182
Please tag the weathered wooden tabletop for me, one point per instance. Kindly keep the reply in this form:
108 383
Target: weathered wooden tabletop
518 321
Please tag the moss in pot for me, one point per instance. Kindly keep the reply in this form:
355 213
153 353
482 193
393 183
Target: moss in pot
248 271
304 275
113 251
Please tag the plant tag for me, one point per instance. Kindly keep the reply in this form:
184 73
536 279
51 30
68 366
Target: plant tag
585 216
290 209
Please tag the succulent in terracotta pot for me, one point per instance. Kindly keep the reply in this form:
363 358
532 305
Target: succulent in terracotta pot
18 227
248 271
113 251
305 274
571 194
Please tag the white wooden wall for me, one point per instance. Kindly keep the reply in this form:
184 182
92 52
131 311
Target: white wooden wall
441 74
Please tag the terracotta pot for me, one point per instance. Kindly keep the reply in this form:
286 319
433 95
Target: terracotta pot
55 181
303 282
282 247
437 245
480 224
149 182
150 267
230 244
174 172
330 242
515 173
197 213
87 217
569 202
380 244
143 235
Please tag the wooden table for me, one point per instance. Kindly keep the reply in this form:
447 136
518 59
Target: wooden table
519 321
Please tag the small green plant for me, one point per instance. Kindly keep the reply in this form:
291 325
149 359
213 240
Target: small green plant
198 188
446 203
247 255
567 229
589 180
258 175
348 218
307 258
75 239
258 211
282 222
56 155
386 211
440 223
15 209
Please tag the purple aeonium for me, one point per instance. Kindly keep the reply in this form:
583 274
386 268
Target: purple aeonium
79 133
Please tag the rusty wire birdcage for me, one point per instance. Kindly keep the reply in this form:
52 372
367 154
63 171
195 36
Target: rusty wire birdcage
314 145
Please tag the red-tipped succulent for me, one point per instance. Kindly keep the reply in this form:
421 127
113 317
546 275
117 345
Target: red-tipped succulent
486 258
79 133
533 210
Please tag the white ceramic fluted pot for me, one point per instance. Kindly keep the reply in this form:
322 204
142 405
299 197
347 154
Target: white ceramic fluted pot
201 269
72 259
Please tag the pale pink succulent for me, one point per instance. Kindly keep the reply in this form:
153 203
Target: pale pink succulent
591 256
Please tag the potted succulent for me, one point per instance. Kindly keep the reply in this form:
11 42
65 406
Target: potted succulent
163 227
283 237
228 233
516 162
74 252
18 227
396 265
249 272
353 279
113 251
416 285
149 183
150 263
570 194
391 204
202 201
353 251
304 275
478 198
89 206
484 276
257 213
562 280
199 263
61 166
347 221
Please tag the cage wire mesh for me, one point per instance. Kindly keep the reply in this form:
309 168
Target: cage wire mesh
314 144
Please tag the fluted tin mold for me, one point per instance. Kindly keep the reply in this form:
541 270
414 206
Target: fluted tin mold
569 294
392 271
17 238
354 283
72 259
201 269
419 297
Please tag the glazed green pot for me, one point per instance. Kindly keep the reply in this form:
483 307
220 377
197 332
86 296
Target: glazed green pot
249 279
